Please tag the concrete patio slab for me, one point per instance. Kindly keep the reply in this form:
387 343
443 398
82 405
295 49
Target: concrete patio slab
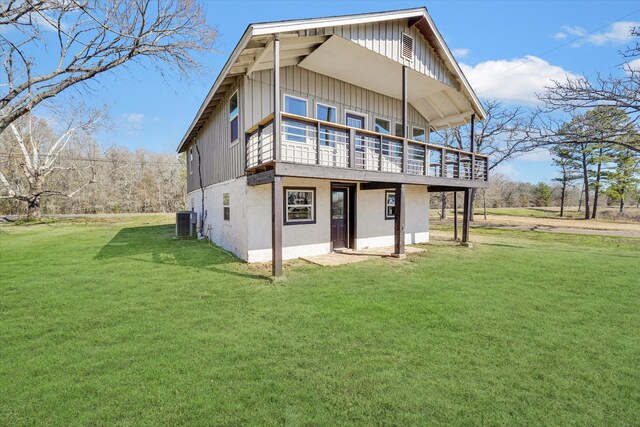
348 256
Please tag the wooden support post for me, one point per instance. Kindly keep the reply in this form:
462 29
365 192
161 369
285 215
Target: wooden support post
466 216
352 148
277 119
443 164
399 221
277 219
405 144
455 216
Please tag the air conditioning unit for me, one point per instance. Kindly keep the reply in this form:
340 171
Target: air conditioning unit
186 222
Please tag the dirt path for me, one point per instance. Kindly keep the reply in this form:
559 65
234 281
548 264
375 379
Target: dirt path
555 225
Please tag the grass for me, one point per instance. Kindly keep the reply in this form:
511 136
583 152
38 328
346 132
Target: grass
118 323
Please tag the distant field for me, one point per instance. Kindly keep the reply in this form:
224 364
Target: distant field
631 214
114 322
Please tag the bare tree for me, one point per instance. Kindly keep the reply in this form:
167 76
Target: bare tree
620 93
502 136
40 149
87 38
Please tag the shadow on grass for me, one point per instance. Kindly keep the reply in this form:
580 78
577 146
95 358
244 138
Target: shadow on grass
157 244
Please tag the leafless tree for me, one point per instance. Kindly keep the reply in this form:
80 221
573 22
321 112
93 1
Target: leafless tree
40 148
502 136
618 92
84 38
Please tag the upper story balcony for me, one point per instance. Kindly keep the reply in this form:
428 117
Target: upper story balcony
345 152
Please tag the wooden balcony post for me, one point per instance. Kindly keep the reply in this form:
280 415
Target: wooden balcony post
443 164
399 222
317 143
258 145
352 148
473 148
459 165
381 138
405 157
277 118
277 219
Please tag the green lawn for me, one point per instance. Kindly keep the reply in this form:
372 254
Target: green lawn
118 323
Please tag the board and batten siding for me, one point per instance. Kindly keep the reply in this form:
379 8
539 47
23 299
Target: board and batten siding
385 38
221 161
316 87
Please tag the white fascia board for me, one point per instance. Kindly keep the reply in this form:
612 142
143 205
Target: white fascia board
223 74
308 24
465 83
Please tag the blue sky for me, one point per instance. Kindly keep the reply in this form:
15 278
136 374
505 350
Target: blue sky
508 50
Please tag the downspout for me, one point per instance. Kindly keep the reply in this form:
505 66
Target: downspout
202 211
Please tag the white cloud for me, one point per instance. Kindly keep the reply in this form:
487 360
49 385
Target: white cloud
537 155
134 118
461 53
513 80
632 66
616 34
508 170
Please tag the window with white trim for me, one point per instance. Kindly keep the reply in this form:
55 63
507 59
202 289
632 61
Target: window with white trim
382 126
294 130
300 205
389 204
418 134
190 160
399 131
293 105
233 117
226 209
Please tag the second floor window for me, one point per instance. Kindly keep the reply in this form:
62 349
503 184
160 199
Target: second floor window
295 106
383 126
418 134
294 130
233 117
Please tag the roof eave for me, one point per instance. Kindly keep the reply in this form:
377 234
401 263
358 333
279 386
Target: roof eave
248 34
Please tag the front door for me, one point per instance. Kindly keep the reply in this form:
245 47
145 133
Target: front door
339 218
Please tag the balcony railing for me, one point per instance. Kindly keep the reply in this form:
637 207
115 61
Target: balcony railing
315 142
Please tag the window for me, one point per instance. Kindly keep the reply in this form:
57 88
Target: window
233 117
355 120
326 113
226 214
300 205
383 126
418 134
190 160
399 131
297 106
390 204
294 130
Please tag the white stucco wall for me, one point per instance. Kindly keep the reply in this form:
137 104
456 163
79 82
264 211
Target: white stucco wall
248 232
375 231
230 235
297 239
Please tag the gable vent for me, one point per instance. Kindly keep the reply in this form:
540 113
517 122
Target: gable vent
407 47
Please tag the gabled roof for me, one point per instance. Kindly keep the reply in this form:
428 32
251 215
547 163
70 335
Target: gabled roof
251 52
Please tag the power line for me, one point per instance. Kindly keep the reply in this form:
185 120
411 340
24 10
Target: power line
91 159
571 41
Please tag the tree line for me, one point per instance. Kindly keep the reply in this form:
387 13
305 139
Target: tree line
89 179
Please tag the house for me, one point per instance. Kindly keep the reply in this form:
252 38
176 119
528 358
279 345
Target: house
315 136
